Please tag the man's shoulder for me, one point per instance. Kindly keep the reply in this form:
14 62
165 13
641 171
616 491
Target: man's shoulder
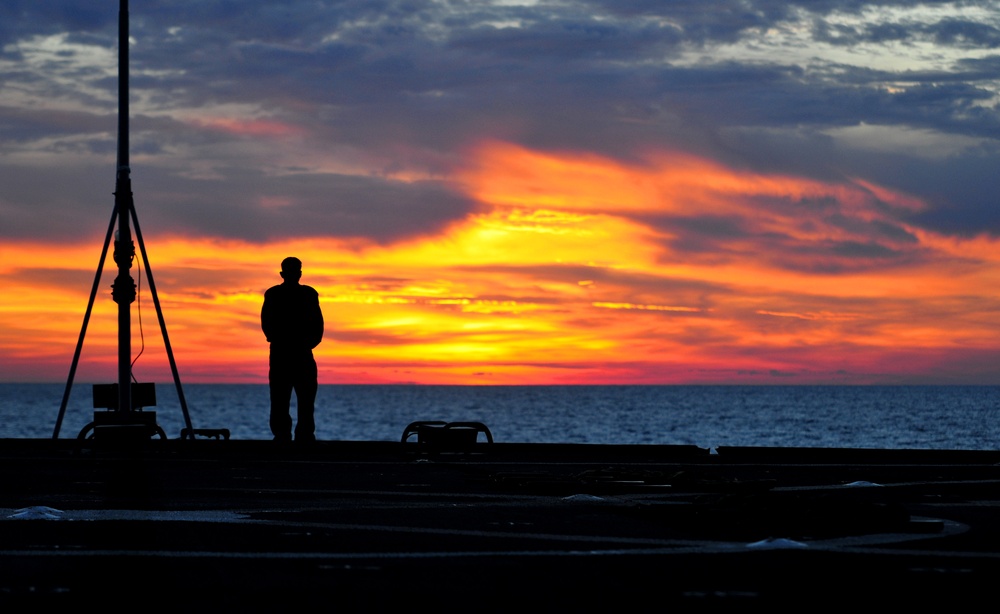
290 292
304 291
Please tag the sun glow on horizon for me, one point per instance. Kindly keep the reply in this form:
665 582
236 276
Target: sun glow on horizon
574 269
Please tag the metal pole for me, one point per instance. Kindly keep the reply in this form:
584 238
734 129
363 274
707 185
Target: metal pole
123 289
123 87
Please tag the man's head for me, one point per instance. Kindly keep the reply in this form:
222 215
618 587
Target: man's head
291 269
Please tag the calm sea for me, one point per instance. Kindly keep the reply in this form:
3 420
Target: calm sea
917 417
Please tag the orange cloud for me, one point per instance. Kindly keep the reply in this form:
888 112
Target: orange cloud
574 269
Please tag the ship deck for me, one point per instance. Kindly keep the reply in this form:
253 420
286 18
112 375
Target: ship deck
255 525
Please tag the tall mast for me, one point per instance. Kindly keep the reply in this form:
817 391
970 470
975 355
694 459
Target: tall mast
123 88
123 289
123 292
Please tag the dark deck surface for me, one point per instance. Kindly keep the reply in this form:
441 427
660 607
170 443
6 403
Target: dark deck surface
255 526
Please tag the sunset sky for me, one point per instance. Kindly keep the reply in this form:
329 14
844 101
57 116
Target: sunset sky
511 191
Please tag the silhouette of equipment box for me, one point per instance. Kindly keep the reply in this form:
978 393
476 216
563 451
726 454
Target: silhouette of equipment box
113 425
106 395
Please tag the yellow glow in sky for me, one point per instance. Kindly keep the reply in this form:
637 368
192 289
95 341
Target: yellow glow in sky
574 269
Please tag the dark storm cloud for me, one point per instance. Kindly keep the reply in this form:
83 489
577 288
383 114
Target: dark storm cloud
576 39
874 245
410 84
963 189
242 205
23 125
947 32
965 34
26 17
55 204
709 21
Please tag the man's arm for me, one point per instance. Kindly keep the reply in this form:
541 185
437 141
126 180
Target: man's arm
267 316
317 328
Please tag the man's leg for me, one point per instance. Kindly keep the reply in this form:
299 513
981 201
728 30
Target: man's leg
305 398
281 396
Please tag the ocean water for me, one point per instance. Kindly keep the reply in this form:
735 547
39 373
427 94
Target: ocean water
898 417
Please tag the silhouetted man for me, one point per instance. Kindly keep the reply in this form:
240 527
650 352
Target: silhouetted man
293 323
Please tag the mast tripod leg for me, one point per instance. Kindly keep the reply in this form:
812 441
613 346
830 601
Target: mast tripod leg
86 319
159 315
